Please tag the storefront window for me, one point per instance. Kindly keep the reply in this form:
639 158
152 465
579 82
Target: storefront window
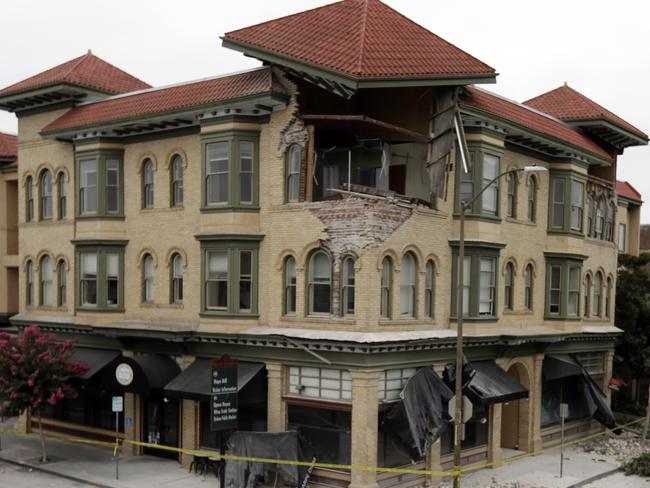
327 432
567 391
389 454
249 418
91 409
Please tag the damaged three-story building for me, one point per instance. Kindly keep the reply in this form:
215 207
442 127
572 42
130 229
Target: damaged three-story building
302 217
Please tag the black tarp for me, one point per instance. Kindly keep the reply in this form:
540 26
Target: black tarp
418 419
271 445
195 381
485 383
558 366
95 359
565 366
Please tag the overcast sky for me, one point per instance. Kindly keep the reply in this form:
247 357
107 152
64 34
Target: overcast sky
600 47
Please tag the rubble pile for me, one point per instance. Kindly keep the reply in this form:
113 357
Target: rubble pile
623 448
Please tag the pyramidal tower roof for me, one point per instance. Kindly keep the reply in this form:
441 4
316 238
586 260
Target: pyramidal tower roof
359 40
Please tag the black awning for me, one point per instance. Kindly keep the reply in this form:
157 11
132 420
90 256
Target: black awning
150 373
490 384
95 359
417 421
194 382
558 366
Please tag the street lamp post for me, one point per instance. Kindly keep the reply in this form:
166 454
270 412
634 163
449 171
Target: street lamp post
458 414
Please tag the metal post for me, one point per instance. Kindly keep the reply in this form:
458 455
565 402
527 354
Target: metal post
117 446
561 444
458 416
222 461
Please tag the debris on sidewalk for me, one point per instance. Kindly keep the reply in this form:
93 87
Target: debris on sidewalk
622 447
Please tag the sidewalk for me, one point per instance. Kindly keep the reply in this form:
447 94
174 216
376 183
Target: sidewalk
94 465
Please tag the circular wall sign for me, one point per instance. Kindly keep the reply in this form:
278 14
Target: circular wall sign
124 374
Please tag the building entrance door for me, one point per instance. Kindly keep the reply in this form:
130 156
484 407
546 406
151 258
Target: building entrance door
161 425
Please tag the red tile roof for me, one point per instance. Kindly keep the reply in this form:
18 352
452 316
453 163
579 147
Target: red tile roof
625 190
8 145
87 71
490 103
361 39
565 103
168 99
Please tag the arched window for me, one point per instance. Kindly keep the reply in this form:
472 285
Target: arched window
62 275
46 195
511 210
290 286
177 279
599 227
429 290
294 158
587 299
532 199
508 296
46 282
320 284
347 286
608 298
62 189
147 279
147 184
29 283
407 286
177 181
528 287
386 288
598 289
29 199
590 215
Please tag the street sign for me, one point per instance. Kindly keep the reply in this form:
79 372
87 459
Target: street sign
468 409
224 388
118 404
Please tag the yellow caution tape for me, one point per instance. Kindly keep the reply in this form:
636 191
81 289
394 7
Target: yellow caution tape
54 435
229 457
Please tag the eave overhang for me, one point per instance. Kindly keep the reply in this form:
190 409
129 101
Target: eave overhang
257 106
45 96
345 85
614 134
519 135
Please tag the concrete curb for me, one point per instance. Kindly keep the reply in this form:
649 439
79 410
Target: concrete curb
595 478
55 473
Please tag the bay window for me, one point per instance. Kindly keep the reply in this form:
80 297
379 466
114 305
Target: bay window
566 202
230 270
485 166
563 279
479 280
99 184
230 171
100 275
45 189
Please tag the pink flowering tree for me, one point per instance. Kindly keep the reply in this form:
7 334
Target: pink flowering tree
35 371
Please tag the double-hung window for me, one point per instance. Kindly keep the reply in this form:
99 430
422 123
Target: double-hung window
563 280
147 184
46 195
100 275
294 159
177 182
62 189
567 202
47 281
290 286
29 199
479 290
177 279
408 286
347 287
485 166
508 288
319 284
99 184
386 288
511 210
229 275
230 171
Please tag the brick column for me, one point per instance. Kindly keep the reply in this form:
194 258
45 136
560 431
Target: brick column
132 408
609 368
494 442
189 429
276 410
535 404
365 418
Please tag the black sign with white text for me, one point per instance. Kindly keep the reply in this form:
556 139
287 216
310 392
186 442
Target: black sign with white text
224 399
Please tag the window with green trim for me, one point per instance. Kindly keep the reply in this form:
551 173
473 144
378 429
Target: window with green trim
563 278
230 277
566 205
230 171
485 166
100 277
100 184
479 282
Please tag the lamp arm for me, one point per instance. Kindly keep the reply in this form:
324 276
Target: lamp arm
468 204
